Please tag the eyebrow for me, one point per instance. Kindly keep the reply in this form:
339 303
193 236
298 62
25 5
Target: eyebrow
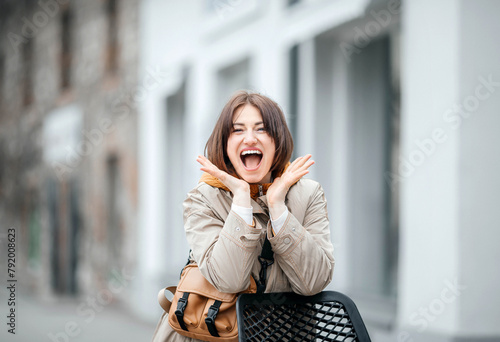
242 124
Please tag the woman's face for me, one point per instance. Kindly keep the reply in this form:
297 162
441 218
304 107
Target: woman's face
249 147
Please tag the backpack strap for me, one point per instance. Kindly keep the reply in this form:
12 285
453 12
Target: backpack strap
266 259
162 299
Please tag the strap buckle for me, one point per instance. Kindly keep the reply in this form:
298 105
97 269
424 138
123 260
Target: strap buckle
179 312
265 262
266 259
213 310
181 306
211 314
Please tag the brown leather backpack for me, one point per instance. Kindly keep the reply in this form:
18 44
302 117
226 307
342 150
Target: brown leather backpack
198 310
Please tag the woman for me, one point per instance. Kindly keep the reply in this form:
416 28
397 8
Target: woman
249 191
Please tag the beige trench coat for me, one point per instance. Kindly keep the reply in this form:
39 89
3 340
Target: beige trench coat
226 249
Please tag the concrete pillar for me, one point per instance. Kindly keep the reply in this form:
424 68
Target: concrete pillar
449 171
479 168
150 236
429 181
306 114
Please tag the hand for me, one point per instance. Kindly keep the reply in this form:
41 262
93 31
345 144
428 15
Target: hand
277 191
239 188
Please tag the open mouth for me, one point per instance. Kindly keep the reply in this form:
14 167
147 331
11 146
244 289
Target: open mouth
251 159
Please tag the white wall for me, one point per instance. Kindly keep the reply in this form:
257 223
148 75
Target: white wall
449 224
429 193
479 169
167 38
448 194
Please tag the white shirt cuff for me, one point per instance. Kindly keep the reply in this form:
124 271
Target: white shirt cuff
245 213
279 222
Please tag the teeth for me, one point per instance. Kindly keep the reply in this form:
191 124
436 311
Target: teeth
250 152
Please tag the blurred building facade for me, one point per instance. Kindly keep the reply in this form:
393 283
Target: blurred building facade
68 181
394 101
397 103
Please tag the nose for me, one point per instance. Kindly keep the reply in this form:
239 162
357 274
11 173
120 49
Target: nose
250 138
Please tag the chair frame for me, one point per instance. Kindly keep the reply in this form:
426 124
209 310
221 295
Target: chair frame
291 298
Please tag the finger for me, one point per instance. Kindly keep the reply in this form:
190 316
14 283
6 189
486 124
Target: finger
209 170
291 167
201 160
294 178
296 160
306 165
299 162
207 163
214 171
302 161
207 166
297 176
204 161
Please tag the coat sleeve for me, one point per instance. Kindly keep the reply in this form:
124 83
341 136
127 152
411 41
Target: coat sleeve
224 250
305 252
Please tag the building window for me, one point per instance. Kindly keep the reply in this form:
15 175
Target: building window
34 232
53 200
374 112
114 224
64 216
175 155
2 77
393 162
66 43
230 79
27 51
112 35
293 94
74 234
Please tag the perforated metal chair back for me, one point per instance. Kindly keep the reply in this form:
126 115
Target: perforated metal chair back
327 316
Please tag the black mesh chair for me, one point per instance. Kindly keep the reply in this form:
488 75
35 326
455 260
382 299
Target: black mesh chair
327 316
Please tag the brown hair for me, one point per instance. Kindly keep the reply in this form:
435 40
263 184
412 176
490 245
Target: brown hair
274 123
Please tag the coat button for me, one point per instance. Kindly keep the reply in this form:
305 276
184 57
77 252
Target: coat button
286 240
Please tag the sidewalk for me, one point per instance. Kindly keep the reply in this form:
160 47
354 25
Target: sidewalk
70 319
